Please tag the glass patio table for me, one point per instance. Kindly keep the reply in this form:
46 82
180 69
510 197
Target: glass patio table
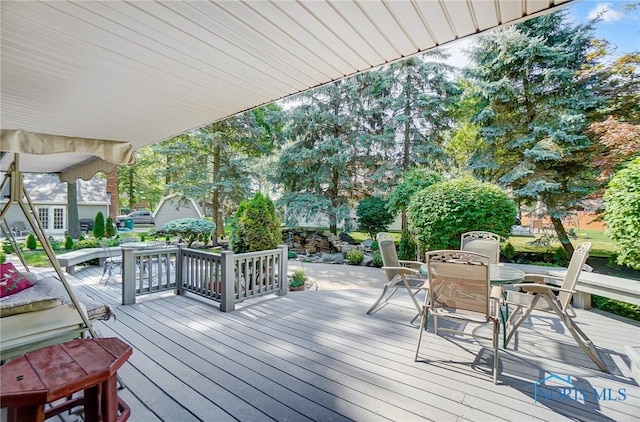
498 274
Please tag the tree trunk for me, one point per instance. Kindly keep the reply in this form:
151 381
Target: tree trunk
72 211
562 235
215 198
558 226
333 223
132 199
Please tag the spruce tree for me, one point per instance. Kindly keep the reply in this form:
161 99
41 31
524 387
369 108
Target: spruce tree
538 102
98 226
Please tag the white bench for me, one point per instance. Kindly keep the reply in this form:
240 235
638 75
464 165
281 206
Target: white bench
618 288
623 289
70 259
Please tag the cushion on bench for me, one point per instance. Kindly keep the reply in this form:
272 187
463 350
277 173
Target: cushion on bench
15 308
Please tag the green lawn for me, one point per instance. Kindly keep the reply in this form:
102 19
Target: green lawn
601 246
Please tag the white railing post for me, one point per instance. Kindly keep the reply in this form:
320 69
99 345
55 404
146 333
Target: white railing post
128 276
227 293
282 271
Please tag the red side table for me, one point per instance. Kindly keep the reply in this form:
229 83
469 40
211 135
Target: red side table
55 372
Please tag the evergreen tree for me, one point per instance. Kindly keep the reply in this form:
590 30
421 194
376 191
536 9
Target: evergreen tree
320 169
98 226
257 227
538 101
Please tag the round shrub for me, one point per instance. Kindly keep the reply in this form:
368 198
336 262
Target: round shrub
292 255
189 229
509 251
31 242
622 213
355 257
439 214
68 243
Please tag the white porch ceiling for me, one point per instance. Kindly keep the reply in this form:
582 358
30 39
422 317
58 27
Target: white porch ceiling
143 71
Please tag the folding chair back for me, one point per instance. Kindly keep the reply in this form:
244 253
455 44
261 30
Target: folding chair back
389 255
459 281
484 243
579 257
400 273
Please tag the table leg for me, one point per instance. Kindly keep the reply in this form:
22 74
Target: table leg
92 404
26 414
109 399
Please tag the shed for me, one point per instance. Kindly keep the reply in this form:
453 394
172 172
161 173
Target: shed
175 206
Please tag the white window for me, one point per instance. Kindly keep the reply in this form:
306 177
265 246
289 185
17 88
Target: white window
43 215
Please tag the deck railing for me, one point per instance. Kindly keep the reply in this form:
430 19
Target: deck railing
224 277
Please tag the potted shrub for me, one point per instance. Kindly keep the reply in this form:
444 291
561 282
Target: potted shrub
298 280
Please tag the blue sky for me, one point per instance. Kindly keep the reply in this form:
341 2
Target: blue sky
618 26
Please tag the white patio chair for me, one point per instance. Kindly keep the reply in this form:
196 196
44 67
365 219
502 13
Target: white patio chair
460 290
537 295
484 243
113 260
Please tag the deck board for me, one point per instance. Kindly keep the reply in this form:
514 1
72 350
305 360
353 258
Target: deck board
316 355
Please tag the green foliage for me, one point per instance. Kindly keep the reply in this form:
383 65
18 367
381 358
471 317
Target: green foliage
31 242
318 168
257 226
86 243
355 257
55 245
3 257
143 237
373 215
98 226
508 251
537 98
188 229
413 181
292 255
407 248
299 278
7 247
110 229
622 213
204 238
68 243
375 246
440 214
377 259
560 257
616 307
81 237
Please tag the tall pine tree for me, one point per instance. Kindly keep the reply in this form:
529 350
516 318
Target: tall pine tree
535 121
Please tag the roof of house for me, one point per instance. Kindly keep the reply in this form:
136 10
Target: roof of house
46 188
180 197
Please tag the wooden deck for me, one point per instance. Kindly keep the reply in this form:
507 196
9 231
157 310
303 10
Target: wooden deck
317 356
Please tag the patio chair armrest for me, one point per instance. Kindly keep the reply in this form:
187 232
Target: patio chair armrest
411 264
541 288
403 270
539 278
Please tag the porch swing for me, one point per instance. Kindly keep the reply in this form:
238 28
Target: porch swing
42 321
